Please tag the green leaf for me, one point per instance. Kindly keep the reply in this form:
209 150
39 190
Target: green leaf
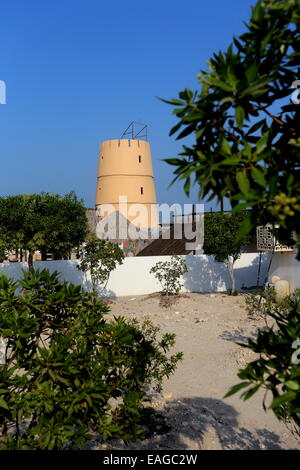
239 116
187 131
292 385
3 404
243 182
173 102
52 375
240 207
231 161
175 128
173 161
247 152
249 393
237 388
220 84
286 397
244 229
193 117
258 176
251 73
258 88
187 186
262 143
225 147
199 133
227 99
256 126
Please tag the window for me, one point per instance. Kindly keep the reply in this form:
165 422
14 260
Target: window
140 159
142 190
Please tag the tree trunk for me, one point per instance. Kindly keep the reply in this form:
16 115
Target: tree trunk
230 266
44 255
232 278
30 260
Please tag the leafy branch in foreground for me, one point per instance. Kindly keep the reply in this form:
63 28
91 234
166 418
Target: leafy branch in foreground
277 369
246 121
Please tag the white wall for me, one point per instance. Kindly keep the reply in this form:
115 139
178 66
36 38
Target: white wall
286 267
133 277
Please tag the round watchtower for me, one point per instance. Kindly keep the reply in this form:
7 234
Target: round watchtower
125 181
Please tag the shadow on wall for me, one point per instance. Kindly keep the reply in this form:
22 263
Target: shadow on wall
67 270
247 277
206 275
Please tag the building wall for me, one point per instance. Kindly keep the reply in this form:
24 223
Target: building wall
133 277
286 267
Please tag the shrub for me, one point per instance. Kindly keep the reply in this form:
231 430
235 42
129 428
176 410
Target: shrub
100 258
168 273
258 305
277 369
68 371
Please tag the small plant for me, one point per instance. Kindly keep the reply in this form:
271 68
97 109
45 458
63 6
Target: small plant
277 369
100 258
66 371
168 273
258 305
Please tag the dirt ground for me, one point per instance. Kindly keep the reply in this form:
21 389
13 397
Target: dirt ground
191 412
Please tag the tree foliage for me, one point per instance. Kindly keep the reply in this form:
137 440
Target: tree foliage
69 373
246 121
100 258
277 369
222 241
45 222
169 273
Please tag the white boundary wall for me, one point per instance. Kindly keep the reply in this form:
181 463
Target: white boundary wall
133 277
286 267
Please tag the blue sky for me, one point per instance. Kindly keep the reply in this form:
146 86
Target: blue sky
78 72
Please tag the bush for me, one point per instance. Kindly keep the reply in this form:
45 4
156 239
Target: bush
258 305
277 370
100 258
168 273
68 371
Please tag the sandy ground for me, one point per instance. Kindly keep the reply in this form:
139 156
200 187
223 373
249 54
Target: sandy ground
191 412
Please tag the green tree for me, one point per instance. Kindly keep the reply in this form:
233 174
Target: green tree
45 222
246 121
221 240
99 258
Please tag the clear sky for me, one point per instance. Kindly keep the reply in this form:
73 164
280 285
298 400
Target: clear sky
78 72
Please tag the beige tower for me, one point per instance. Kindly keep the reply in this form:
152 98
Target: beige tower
125 182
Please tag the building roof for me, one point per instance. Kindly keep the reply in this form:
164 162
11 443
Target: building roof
171 245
